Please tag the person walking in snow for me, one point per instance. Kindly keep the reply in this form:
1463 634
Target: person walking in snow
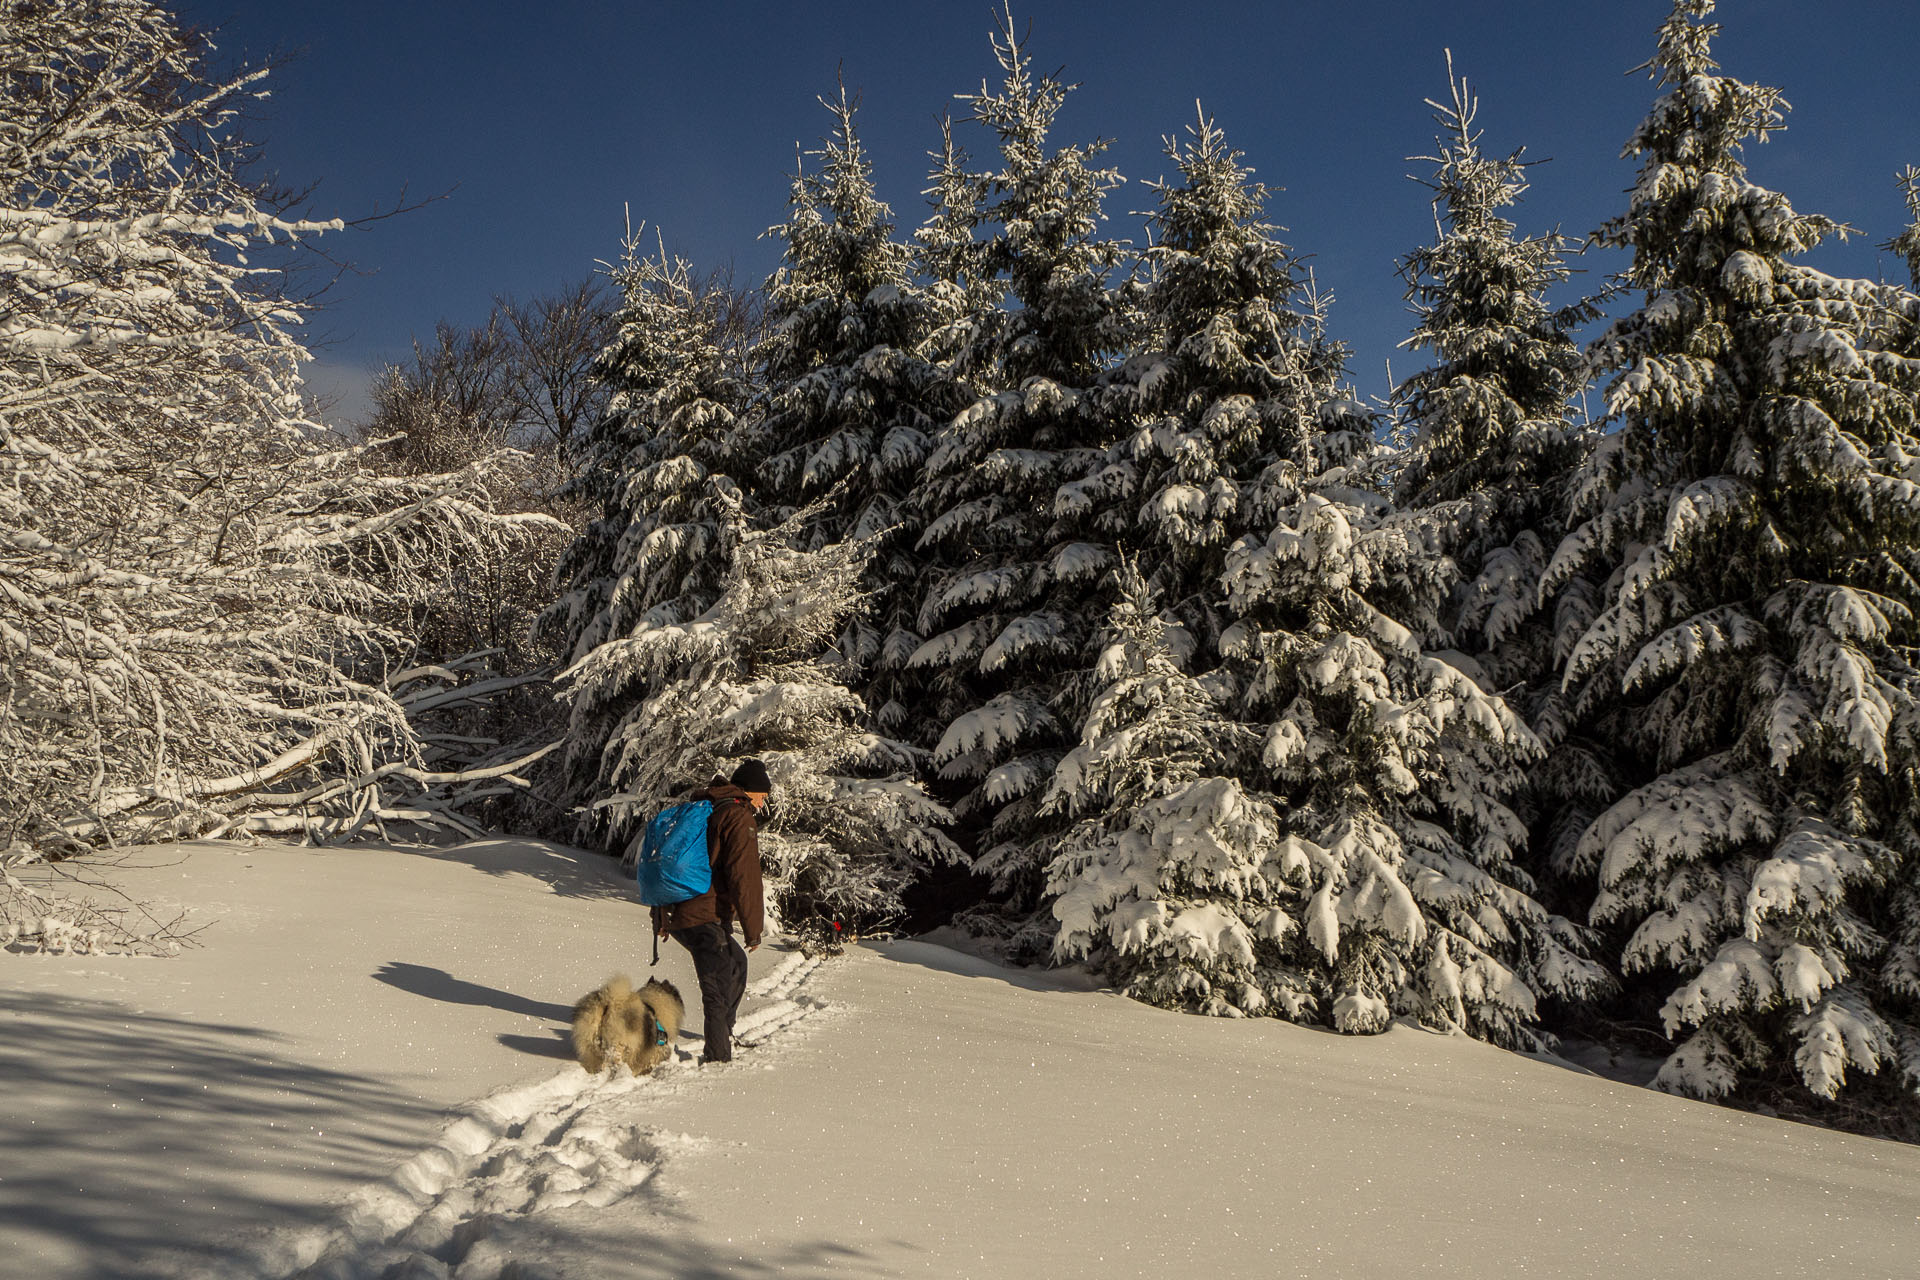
704 924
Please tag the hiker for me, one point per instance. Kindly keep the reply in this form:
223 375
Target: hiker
704 924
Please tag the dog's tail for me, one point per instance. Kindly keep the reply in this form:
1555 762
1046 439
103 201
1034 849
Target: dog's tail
613 998
619 992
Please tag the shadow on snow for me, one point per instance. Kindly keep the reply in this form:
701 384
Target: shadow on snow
128 1129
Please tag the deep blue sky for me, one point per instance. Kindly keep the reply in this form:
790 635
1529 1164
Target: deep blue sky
545 127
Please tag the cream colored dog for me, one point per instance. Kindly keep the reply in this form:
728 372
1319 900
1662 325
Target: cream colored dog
618 1024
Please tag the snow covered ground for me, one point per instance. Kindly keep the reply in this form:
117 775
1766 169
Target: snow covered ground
363 1072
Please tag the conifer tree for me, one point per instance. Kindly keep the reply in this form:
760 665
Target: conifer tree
1171 876
1391 767
749 677
1168 876
1907 243
961 291
1226 401
1012 476
850 404
1902 329
657 464
1491 440
1756 519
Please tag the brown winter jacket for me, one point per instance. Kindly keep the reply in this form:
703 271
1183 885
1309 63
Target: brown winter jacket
733 847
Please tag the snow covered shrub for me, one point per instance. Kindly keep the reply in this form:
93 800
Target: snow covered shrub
196 636
523 379
751 676
1749 680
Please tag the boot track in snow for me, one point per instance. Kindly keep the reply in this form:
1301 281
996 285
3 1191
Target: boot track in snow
571 1139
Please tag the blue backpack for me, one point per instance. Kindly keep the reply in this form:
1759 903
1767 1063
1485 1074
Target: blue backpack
672 865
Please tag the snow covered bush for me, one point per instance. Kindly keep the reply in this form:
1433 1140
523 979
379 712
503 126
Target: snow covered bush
197 635
1749 680
523 379
749 677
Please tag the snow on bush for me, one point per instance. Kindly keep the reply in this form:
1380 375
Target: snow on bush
1172 876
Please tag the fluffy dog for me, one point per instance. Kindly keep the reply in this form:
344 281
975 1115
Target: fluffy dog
618 1024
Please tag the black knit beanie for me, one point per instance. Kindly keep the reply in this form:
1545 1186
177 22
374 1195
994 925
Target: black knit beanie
752 776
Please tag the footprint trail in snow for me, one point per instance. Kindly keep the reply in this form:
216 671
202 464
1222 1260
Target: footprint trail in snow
783 989
572 1139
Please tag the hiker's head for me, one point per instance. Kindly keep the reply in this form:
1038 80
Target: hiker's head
751 777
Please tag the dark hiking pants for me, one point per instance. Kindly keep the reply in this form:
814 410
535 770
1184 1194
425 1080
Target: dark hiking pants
720 963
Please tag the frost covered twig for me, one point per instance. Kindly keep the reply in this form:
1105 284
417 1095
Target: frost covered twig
65 913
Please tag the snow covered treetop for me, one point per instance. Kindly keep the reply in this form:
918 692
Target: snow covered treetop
1907 243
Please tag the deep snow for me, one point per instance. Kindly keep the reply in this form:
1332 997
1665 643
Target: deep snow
363 1071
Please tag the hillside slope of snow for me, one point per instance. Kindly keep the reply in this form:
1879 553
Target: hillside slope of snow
363 1073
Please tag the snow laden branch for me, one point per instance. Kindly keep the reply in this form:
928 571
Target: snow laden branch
202 602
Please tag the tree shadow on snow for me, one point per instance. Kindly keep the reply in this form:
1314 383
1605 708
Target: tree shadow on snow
131 1141
652 1236
569 872
928 955
438 984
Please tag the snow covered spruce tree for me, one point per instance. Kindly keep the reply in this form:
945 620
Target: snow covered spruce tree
961 291
750 676
1757 516
1491 441
1227 398
1170 878
198 633
1903 328
658 465
1907 243
1391 767
850 405
1008 621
